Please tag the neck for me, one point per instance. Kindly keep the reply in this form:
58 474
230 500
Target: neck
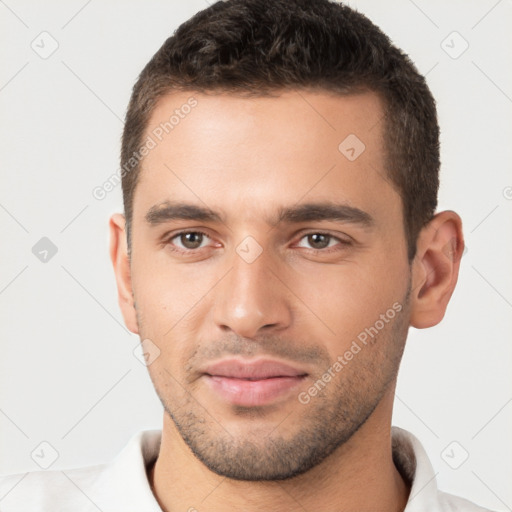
360 475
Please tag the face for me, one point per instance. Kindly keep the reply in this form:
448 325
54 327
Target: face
269 267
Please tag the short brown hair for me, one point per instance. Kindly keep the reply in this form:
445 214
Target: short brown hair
259 47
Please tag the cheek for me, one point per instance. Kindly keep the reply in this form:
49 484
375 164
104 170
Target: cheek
343 301
168 297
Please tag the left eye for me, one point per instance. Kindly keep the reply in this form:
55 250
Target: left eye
190 239
320 241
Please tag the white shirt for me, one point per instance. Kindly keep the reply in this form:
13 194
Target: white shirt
122 485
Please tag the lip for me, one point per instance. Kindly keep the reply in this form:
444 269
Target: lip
254 370
252 383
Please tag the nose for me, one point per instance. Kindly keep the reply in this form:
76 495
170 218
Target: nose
251 298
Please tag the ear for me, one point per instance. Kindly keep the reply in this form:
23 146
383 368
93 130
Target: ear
122 271
435 268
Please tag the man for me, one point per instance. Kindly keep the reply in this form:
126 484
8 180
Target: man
280 172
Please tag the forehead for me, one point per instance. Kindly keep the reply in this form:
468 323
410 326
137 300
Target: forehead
257 154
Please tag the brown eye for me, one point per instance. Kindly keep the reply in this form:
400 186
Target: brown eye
191 240
323 242
319 240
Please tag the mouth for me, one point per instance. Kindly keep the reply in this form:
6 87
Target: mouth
252 383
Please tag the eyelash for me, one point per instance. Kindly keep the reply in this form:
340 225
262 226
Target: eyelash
192 252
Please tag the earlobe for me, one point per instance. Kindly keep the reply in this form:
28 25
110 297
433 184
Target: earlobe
436 268
122 271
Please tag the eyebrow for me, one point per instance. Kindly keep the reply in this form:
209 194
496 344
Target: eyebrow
305 212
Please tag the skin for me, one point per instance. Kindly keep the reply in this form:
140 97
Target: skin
246 158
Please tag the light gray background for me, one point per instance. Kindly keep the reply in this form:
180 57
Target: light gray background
68 374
